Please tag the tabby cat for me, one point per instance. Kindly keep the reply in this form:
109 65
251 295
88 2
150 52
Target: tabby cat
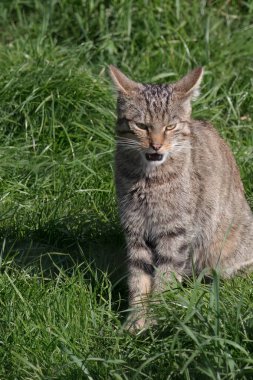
181 199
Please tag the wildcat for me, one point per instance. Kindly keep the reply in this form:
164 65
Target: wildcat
181 199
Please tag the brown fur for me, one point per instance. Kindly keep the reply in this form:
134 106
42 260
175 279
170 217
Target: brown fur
188 208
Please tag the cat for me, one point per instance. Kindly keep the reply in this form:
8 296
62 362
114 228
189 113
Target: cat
180 196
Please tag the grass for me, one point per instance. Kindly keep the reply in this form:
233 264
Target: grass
62 286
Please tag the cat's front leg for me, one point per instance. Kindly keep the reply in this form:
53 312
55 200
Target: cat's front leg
172 260
140 280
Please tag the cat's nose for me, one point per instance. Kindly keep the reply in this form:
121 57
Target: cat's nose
156 146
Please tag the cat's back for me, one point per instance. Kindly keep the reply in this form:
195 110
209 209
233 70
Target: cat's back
220 187
212 155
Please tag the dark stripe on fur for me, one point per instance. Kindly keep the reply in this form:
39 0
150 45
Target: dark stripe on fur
183 249
179 231
142 265
163 260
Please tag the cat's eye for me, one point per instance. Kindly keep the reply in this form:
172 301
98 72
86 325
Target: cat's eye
142 126
170 127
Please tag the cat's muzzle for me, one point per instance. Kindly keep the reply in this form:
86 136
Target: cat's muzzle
154 156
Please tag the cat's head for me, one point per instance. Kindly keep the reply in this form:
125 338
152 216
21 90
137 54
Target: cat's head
154 118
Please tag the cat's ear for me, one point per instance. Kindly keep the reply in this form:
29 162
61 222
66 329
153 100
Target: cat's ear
189 86
122 82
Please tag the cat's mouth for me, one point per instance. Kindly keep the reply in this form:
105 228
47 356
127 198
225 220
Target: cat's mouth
154 156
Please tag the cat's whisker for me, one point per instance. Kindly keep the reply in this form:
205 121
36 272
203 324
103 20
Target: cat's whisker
127 140
128 143
121 143
130 148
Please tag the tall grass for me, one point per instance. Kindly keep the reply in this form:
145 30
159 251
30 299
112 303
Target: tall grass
62 280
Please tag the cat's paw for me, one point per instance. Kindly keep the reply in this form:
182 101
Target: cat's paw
135 324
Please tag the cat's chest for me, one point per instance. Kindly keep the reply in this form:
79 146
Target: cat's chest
154 199
151 207
149 197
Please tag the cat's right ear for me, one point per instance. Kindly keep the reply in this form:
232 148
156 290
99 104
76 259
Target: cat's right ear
123 84
189 86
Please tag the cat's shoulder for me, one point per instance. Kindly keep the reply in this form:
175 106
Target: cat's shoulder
207 137
198 125
203 129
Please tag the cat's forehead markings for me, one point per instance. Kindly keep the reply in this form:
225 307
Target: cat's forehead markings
157 95
157 98
157 90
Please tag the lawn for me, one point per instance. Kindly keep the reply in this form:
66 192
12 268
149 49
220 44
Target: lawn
62 283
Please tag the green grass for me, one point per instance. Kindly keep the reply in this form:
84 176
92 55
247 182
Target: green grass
62 285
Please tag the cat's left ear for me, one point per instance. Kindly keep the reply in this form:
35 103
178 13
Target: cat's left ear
123 84
189 86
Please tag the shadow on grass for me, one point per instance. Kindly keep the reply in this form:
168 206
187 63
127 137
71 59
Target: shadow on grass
98 249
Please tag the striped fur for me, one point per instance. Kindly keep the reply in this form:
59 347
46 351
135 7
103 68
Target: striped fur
186 208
